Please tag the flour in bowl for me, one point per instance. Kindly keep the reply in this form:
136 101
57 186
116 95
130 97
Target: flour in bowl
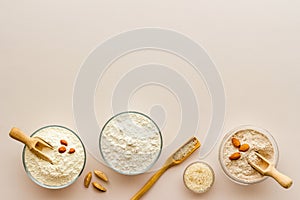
66 166
240 169
130 143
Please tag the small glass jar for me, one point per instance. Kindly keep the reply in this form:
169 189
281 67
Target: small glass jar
198 177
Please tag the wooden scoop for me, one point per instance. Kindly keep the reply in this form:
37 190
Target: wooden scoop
35 144
266 168
178 157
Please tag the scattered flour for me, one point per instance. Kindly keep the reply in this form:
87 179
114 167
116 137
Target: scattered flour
240 169
130 143
198 177
66 167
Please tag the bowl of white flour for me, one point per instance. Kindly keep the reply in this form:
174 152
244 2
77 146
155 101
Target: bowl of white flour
130 143
237 168
68 156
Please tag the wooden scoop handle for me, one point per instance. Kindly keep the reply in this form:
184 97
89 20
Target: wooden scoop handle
282 179
150 182
17 134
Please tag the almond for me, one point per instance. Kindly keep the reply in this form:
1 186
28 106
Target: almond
101 175
64 142
244 147
62 149
72 150
236 143
87 179
99 187
235 156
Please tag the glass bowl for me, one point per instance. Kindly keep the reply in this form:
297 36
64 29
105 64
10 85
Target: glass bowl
202 177
260 140
66 167
130 143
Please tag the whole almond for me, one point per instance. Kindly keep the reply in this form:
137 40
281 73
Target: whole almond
236 143
71 150
87 179
244 147
62 149
101 175
64 142
99 187
235 156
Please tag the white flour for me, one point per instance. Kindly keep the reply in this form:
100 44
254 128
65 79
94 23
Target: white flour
240 168
130 143
66 167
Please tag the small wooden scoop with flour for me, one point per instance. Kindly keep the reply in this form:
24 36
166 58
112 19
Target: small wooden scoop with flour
35 144
266 168
175 159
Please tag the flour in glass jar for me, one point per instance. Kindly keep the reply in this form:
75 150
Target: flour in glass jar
130 143
66 167
240 168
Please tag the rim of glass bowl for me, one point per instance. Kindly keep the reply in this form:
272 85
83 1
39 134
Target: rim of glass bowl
232 132
211 169
154 161
49 186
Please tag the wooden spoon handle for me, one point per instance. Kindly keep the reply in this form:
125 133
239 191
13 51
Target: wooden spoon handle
150 182
17 134
282 179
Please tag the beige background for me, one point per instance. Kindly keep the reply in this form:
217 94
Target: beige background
254 44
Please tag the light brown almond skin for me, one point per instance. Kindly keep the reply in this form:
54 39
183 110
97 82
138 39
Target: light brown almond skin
235 156
99 187
236 143
62 149
87 179
64 142
244 147
101 175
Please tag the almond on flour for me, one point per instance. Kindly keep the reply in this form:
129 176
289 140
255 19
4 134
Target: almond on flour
236 143
62 149
64 142
71 150
244 147
235 156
